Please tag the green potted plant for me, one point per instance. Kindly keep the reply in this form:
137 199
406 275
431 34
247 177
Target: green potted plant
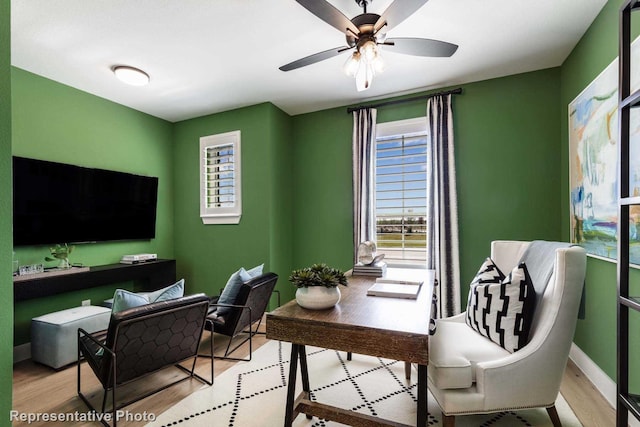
60 253
317 286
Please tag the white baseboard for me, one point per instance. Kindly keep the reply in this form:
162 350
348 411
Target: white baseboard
21 352
602 382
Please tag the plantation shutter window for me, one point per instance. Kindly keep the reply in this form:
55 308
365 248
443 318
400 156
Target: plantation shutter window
401 192
219 176
220 189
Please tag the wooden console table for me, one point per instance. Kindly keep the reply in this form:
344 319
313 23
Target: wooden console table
392 328
154 274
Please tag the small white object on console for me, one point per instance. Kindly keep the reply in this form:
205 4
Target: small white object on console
134 259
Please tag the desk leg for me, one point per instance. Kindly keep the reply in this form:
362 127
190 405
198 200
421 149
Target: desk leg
291 387
303 369
305 374
422 396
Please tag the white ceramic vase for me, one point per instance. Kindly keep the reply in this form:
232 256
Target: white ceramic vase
317 297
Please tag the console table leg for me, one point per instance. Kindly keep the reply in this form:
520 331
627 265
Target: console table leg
422 416
291 386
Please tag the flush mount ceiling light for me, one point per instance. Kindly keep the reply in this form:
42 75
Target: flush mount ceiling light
363 33
130 75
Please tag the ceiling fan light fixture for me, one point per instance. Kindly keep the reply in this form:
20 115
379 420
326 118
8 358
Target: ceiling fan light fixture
131 75
378 64
352 64
366 61
369 51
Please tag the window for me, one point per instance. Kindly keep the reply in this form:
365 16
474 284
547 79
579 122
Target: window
220 195
401 191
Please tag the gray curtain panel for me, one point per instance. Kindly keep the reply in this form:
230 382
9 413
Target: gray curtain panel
364 143
442 207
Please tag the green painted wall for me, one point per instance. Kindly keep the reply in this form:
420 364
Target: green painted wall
322 189
208 254
56 122
595 335
500 125
281 209
6 283
507 164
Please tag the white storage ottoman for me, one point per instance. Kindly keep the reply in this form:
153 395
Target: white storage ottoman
54 336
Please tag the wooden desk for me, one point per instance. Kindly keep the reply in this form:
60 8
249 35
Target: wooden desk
392 328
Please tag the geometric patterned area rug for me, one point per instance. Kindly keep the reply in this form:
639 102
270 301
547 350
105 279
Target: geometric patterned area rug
254 394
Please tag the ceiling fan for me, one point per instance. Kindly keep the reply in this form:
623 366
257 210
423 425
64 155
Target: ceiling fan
363 34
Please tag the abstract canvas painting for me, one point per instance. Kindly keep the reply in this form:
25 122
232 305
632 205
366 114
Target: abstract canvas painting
593 166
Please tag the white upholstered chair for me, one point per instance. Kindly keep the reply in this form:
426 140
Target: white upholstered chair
470 374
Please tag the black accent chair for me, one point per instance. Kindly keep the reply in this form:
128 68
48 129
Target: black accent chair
143 340
245 314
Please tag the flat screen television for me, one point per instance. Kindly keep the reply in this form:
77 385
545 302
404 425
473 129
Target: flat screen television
62 203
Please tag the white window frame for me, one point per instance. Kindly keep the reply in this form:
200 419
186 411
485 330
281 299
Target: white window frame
221 215
412 126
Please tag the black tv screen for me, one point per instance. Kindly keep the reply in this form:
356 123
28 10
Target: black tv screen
61 203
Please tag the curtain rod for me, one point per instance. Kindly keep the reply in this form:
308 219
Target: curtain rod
402 101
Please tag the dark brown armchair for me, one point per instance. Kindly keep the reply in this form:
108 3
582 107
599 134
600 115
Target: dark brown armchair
143 340
245 314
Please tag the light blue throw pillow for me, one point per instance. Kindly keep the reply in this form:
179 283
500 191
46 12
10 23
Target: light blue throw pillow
255 272
123 299
232 288
170 292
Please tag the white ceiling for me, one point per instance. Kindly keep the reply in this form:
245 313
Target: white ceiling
207 56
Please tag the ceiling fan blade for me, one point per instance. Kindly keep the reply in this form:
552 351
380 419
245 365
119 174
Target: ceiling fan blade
420 47
329 14
397 12
312 59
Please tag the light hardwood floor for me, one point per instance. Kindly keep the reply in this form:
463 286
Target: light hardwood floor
586 401
39 389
